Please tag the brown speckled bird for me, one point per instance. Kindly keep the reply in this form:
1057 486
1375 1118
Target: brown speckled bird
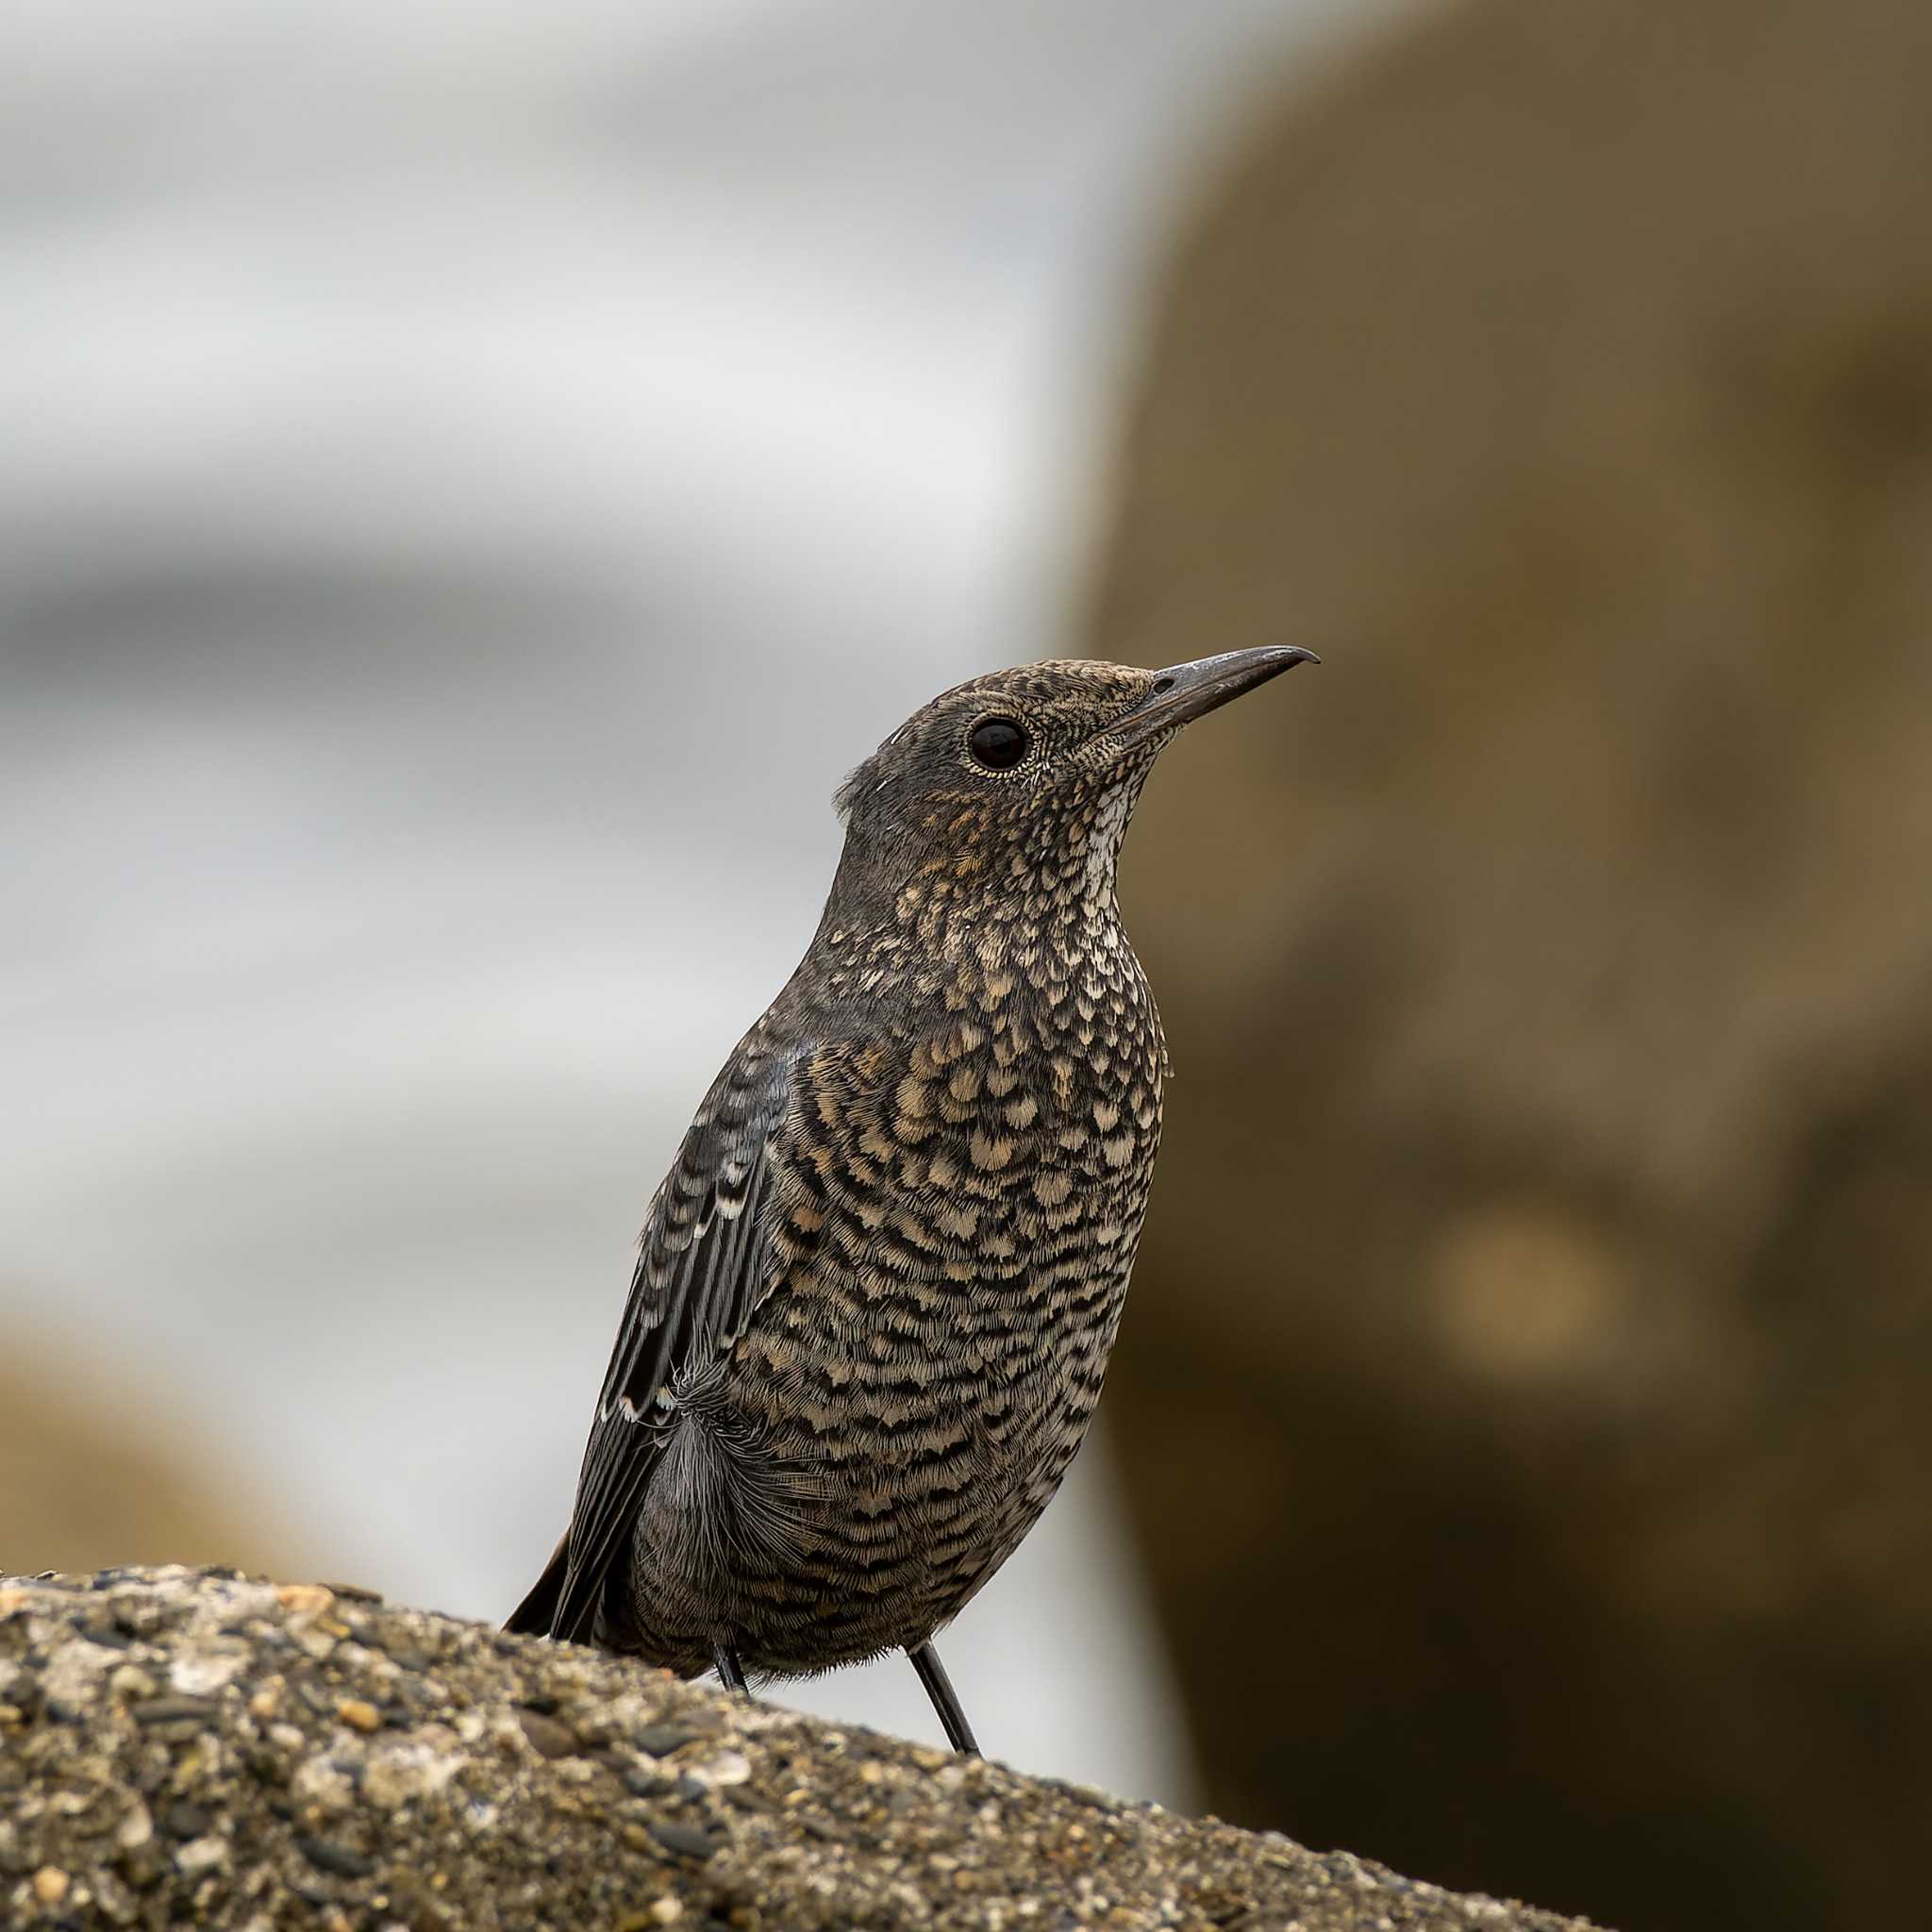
876 1295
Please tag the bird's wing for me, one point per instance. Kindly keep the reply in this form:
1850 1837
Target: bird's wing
705 1261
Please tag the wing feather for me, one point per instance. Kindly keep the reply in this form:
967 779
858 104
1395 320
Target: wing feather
704 1261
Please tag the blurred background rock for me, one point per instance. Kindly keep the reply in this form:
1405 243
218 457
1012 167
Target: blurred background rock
475 479
91 1477
1526 1405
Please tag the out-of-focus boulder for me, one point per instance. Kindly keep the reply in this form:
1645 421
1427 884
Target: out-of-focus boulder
92 1475
1531 1362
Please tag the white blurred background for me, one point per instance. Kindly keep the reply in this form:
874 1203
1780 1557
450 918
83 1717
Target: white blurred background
472 479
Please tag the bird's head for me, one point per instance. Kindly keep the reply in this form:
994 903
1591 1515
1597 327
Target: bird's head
1013 791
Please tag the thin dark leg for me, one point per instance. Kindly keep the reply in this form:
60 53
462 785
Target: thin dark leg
731 1672
938 1686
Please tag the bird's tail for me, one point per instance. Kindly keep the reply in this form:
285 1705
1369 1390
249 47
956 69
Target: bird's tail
535 1616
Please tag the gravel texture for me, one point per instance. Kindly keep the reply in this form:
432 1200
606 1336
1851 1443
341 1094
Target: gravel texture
195 1748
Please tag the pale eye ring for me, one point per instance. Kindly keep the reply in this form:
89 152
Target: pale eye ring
998 743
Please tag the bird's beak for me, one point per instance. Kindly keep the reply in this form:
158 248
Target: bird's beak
1183 692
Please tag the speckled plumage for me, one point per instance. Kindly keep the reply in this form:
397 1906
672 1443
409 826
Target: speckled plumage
876 1293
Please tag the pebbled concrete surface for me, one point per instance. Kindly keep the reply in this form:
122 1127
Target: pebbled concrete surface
182 1746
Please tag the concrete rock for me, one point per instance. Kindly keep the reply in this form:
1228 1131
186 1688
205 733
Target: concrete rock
515 1783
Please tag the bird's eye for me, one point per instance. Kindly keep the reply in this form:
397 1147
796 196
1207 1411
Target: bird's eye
998 743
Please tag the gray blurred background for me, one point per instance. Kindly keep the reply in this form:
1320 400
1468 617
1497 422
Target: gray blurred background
473 481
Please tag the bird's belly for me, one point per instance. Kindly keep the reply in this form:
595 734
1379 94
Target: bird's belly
855 1505
909 1395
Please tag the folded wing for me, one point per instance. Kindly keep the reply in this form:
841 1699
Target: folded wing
705 1261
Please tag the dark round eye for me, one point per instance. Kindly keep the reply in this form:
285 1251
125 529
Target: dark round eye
998 743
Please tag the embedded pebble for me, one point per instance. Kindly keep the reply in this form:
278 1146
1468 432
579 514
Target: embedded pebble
131 1684
686 1840
400 1774
339 1860
202 1672
325 1784
202 1854
545 1736
727 1768
73 1671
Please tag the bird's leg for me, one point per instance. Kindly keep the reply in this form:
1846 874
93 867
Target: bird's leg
938 1686
731 1672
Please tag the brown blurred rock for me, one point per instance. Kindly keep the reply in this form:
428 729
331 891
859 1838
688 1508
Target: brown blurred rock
1531 1355
91 1477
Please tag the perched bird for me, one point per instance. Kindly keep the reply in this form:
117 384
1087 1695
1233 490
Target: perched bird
876 1295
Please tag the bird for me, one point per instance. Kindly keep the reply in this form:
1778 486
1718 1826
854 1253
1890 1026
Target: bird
875 1297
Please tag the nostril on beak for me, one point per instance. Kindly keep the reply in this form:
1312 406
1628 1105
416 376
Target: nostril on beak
1160 686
